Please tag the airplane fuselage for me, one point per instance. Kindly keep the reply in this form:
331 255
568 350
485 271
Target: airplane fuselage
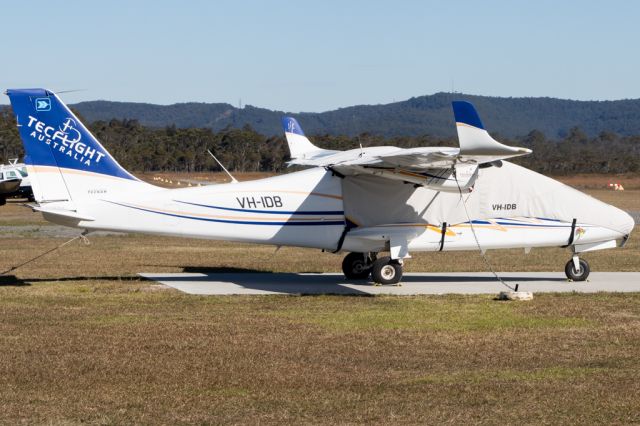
319 209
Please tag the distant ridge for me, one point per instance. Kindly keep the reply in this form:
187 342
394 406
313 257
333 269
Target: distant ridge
431 114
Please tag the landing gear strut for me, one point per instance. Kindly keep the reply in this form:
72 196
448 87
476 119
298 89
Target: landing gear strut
577 269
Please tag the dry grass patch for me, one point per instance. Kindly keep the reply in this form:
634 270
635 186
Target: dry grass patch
601 181
14 213
626 200
117 354
464 314
544 374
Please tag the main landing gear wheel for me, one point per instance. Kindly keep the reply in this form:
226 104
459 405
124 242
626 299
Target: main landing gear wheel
386 271
356 266
577 275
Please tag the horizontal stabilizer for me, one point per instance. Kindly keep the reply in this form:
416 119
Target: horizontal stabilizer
62 213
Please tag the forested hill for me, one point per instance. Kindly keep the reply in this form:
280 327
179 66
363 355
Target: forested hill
424 115
510 117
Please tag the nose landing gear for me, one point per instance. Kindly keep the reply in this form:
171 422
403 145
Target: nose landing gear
577 269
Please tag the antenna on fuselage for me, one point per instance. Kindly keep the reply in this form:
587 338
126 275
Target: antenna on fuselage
233 180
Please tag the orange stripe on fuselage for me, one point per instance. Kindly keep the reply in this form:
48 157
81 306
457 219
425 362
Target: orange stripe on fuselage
65 171
420 225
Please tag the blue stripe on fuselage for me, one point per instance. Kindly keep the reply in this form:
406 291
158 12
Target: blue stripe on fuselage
329 213
237 222
501 222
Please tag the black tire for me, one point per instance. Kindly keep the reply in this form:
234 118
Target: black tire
386 271
572 274
356 266
3 201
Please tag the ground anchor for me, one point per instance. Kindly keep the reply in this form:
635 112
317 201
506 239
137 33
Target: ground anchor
515 295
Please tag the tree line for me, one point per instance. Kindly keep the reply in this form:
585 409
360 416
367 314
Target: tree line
143 149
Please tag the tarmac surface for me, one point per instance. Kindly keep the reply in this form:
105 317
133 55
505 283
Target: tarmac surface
412 283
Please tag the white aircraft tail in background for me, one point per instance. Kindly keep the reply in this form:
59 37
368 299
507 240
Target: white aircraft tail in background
300 147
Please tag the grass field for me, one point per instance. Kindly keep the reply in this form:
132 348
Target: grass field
83 340
113 352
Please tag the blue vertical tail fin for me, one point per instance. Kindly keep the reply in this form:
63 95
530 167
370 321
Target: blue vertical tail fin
53 135
67 161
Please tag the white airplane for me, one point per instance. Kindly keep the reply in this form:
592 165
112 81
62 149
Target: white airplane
10 182
363 201
14 181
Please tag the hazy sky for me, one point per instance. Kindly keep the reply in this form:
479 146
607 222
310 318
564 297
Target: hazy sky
320 55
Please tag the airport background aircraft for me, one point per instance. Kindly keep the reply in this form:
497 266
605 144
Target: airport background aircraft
364 201
10 181
14 181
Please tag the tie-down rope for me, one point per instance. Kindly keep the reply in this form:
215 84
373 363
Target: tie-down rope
473 231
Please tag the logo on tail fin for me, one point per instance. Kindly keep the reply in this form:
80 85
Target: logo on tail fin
66 140
290 125
69 127
43 104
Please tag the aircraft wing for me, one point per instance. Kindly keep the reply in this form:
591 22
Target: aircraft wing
388 157
415 160
476 147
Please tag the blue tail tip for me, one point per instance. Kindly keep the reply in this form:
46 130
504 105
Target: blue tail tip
28 92
466 113
290 125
